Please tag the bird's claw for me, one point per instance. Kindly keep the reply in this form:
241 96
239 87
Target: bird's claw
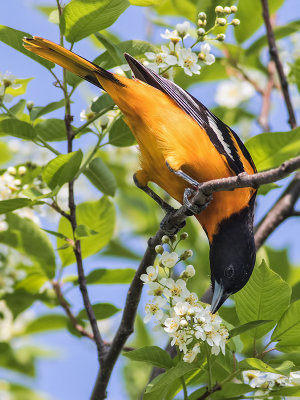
168 226
200 205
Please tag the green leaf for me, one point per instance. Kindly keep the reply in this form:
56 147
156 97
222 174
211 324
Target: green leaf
13 37
265 297
279 32
265 189
209 73
269 150
250 14
25 236
110 276
232 116
230 390
152 355
37 112
23 82
136 48
13 204
81 18
120 135
33 282
62 169
44 323
51 130
116 249
101 310
144 3
255 363
101 176
113 50
18 109
16 128
295 73
170 375
98 216
285 367
279 261
247 327
287 331
5 153
84 231
183 8
102 102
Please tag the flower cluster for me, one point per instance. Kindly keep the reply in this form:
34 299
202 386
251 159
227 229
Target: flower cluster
7 80
176 53
178 311
265 382
11 187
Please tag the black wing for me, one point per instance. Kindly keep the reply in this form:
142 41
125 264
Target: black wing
218 132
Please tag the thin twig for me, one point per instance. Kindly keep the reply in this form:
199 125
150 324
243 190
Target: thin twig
275 56
62 301
263 119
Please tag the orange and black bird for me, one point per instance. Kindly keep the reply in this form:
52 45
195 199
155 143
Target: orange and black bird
181 144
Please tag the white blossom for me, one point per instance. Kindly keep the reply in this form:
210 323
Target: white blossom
208 57
169 260
162 59
171 35
3 223
188 61
231 93
182 29
172 324
151 274
87 114
190 356
155 309
176 289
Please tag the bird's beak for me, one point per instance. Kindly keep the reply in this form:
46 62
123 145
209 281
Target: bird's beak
219 297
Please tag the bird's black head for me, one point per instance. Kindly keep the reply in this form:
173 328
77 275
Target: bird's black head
232 256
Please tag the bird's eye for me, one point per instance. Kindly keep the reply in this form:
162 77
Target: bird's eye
229 271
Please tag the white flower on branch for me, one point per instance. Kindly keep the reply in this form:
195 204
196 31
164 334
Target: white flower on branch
163 59
188 61
151 274
171 35
208 58
169 260
231 93
182 29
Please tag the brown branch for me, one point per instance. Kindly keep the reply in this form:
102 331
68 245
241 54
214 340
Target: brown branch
62 301
208 392
263 119
127 323
283 209
275 56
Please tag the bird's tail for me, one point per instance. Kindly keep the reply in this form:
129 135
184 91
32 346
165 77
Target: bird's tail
69 60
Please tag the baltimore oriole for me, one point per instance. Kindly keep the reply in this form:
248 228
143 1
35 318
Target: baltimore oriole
175 132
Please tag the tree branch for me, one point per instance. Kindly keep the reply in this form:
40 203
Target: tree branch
283 209
275 56
127 323
263 119
62 301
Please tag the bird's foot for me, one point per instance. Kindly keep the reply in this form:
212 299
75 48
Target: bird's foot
196 207
169 226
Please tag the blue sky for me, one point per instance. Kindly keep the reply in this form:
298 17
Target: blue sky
72 373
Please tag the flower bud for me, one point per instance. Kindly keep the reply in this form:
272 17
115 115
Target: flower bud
186 254
202 22
165 239
222 21
183 322
233 9
184 236
221 37
17 182
201 32
236 22
219 10
227 10
190 271
159 249
202 16
29 105
12 170
22 170
201 56
173 238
